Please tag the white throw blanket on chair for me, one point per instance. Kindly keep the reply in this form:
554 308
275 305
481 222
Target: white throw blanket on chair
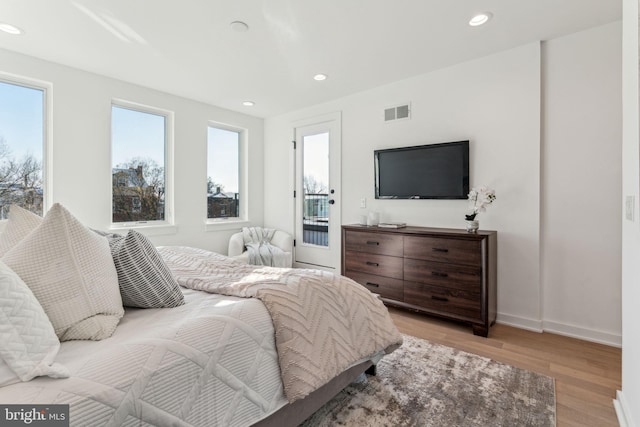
257 240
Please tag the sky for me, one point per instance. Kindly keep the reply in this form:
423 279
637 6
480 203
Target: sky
141 134
223 158
136 134
316 157
22 119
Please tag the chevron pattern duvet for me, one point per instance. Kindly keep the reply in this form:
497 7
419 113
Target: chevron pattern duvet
323 322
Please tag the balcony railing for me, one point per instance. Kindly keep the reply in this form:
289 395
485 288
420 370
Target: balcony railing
315 223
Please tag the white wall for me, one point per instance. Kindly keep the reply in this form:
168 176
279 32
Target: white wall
582 184
629 398
552 272
495 103
81 154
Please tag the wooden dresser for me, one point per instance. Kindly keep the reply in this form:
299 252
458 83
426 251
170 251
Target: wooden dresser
445 272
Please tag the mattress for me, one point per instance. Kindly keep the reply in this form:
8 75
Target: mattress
212 361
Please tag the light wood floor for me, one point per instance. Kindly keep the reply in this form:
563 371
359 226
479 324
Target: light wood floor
587 375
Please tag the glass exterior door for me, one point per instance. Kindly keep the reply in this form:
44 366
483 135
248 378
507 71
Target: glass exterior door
315 186
317 189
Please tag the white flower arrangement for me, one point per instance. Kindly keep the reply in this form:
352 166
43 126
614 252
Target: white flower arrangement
479 199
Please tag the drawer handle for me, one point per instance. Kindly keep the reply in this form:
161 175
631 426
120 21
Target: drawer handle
371 242
375 285
440 250
437 298
375 264
438 274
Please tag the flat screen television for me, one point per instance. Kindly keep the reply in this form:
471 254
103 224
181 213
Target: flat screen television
436 171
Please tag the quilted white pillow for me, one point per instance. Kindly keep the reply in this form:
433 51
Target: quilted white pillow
28 343
70 271
20 223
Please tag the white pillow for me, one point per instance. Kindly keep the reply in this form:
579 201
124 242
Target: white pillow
28 343
70 271
20 223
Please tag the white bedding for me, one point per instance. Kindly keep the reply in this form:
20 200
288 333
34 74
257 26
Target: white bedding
323 322
162 365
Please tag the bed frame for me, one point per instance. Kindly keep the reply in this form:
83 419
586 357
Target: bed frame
295 413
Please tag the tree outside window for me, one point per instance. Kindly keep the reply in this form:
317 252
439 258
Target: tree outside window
21 147
138 165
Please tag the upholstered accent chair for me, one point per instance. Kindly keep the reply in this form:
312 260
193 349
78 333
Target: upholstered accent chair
280 238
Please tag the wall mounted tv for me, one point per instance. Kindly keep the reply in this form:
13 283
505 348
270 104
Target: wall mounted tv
436 171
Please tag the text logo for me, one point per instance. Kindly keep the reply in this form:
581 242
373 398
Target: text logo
34 415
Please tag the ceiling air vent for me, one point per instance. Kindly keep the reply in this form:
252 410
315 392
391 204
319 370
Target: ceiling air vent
399 112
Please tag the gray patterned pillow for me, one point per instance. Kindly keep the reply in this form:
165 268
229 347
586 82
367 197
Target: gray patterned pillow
145 280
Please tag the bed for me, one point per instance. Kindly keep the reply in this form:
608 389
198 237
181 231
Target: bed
250 345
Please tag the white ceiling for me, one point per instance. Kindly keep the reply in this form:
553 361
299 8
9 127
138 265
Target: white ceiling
188 48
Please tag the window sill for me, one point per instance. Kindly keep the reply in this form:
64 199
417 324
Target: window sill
147 230
227 224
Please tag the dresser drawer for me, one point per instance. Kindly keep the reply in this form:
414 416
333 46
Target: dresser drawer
379 265
386 287
446 275
440 271
445 301
373 243
455 251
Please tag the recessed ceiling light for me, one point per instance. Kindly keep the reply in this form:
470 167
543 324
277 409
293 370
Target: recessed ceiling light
320 77
248 103
239 26
10 29
480 19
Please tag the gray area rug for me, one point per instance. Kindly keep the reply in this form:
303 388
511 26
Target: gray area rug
427 384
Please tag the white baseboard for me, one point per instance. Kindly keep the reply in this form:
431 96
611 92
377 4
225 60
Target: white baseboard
592 335
623 411
519 322
560 329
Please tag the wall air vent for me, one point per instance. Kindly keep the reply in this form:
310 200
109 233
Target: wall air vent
399 112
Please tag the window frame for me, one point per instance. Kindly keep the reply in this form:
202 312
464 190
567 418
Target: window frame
47 131
153 227
217 224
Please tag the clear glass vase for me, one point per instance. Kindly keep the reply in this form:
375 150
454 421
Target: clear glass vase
472 226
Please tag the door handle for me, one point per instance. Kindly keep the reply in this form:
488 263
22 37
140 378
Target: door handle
438 274
331 201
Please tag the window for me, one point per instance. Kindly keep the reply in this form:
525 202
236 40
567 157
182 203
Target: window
139 141
223 173
22 137
136 204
